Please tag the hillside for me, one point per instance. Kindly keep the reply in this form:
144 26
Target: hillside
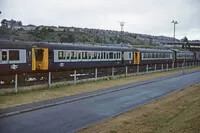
79 35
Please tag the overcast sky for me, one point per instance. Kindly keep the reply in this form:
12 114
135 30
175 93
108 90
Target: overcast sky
140 16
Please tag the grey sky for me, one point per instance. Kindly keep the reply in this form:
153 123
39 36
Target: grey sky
141 16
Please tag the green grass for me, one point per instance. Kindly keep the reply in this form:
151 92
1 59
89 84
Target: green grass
178 112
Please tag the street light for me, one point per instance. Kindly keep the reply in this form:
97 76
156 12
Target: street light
174 22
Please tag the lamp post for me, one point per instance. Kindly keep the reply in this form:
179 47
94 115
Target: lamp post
174 22
184 58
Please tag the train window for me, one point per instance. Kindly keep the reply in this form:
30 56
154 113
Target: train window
95 55
111 55
14 55
78 55
75 55
130 55
4 55
83 55
72 54
67 55
101 55
86 55
92 55
104 54
107 55
61 55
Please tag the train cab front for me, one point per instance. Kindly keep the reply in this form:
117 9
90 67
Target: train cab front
40 59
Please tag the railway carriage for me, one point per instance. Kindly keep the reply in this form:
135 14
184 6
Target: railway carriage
15 57
197 53
70 56
21 57
152 56
181 56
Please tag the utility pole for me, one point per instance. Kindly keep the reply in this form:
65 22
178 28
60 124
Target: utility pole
174 23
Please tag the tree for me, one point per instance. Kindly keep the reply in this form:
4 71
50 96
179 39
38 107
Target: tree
4 23
20 23
186 42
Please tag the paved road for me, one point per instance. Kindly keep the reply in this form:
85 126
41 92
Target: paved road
73 116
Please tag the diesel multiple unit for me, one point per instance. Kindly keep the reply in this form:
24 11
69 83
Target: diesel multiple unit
25 57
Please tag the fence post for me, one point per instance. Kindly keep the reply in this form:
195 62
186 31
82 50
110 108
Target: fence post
113 71
147 68
162 67
75 77
173 65
138 69
126 71
16 83
96 74
155 68
49 83
167 66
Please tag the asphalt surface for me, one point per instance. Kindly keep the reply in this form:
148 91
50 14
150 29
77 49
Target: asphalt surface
76 115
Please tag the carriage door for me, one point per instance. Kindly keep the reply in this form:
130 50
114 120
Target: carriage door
137 58
40 59
4 56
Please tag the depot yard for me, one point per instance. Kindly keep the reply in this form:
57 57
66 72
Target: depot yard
20 98
179 112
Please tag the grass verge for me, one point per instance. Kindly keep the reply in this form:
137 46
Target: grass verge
20 98
179 112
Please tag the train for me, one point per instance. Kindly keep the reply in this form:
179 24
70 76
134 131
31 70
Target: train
34 57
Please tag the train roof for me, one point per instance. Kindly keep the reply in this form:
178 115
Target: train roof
75 46
71 46
152 50
182 51
14 44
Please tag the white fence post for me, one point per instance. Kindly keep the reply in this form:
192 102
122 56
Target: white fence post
96 76
167 66
16 83
147 68
113 73
138 69
162 67
49 83
126 71
155 68
75 77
